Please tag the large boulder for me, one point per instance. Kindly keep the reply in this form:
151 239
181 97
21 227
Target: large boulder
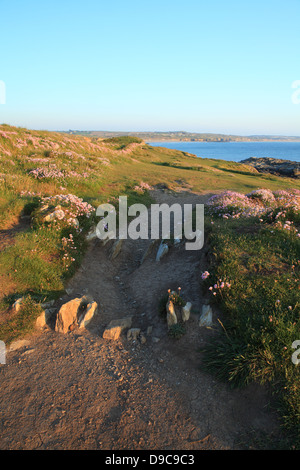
75 313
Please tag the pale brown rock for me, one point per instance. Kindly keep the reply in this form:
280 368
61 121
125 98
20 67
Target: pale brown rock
91 310
76 312
67 315
116 327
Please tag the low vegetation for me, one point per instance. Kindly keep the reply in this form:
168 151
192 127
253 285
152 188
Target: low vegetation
255 275
253 237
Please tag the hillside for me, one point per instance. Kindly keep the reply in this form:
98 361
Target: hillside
251 243
183 136
41 164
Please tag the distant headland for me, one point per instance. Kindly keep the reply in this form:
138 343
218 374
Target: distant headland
182 136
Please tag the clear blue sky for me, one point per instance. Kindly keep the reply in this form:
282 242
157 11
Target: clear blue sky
202 66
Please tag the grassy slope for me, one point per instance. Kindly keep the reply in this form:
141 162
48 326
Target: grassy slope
254 275
99 171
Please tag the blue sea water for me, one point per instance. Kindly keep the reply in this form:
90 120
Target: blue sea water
236 151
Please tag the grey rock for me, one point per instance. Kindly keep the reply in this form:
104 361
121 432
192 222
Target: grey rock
149 330
133 334
186 311
274 165
57 214
48 304
162 250
206 316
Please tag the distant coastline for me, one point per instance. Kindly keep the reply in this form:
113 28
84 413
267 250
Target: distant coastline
181 136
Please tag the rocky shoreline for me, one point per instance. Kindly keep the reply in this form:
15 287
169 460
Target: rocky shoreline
275 166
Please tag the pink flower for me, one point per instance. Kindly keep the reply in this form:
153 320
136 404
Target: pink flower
205 275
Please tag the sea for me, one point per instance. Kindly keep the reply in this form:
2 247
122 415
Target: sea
236 151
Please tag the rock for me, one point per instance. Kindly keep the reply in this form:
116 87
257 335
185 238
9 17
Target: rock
274 165
68 315
43 319
29 351
171 314
116 248
76 312
206 316
87 299
50 311
133 334
48 304
149 330
58 213
90 312
116 327
143 339
162 250
186 311
17 305
18 344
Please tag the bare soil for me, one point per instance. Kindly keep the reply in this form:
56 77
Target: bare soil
80 391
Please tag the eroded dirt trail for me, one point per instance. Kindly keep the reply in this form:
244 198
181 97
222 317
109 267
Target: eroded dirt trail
79 391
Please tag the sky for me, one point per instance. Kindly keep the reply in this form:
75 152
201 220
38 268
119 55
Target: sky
167 65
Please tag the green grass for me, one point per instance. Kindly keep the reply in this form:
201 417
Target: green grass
23 321
176 331
123 141
261 266
261 310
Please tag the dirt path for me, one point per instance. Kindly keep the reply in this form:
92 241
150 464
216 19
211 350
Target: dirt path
79 391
